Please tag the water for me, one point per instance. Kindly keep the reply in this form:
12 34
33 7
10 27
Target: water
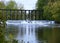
30 31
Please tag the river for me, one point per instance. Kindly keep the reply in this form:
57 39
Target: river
25 31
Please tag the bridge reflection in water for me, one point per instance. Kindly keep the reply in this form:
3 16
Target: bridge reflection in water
27 29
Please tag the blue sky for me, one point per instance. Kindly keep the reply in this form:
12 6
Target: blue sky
28 4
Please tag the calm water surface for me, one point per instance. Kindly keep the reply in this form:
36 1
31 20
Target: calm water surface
33 32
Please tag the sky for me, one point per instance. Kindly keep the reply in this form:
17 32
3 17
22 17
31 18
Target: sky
28 4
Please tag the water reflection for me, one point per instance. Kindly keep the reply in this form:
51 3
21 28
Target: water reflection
27 34
33 33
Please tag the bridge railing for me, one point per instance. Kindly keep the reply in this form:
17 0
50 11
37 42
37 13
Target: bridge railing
17 14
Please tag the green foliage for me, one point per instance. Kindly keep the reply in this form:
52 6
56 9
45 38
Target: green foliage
53 9
2 5
10 14
6 14
47 13
11 5
2 34
41 3
40 6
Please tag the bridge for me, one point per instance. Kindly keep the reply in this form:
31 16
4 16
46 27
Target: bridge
17 14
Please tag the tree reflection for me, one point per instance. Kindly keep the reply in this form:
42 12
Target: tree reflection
48 34
11 31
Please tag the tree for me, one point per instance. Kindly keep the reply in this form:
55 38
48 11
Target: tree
4 13
41 3
39 6
50 9
2 5
53 9
11 5
10 14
